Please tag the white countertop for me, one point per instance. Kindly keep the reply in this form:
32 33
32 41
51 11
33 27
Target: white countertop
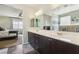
70 37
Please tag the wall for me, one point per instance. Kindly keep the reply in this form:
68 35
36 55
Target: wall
9 11
27 14
66 20
47 20
55 21
5 22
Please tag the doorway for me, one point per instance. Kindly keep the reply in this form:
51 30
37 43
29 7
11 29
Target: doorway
17 24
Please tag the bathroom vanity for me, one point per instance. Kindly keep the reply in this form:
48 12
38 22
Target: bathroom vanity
48 42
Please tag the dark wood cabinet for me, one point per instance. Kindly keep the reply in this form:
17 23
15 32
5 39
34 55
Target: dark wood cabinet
31 39
36 41
39 42
43 44
60 47
52 46
46 45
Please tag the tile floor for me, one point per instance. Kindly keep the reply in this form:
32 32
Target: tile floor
19 49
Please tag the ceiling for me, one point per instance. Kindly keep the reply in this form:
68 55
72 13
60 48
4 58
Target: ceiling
33 8
36 7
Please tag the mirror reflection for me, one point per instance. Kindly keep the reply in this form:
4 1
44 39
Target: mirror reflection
69 22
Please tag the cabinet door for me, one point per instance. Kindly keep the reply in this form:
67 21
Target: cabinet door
52 46
31 39
44 45
36 41
64 47
77 50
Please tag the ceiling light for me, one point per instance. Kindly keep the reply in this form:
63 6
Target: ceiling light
39 13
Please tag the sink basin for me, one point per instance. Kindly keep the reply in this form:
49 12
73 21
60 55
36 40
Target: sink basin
64 39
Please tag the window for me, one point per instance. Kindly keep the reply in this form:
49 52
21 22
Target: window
17 24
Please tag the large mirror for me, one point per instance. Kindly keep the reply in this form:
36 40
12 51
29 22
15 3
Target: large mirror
42 21
69 22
